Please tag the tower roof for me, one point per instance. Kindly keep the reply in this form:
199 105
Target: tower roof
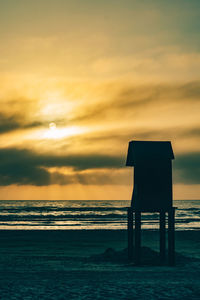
148 150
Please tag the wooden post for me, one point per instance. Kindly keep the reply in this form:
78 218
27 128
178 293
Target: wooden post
162 237
171 237
130 233
137 237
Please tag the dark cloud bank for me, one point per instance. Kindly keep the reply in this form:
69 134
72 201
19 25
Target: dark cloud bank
187 168
23 167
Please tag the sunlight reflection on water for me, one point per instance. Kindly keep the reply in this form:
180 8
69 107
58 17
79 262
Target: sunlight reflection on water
87 215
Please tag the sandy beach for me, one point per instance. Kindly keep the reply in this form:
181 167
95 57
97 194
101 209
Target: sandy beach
73 265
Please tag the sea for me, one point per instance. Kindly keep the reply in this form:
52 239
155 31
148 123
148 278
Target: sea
81 215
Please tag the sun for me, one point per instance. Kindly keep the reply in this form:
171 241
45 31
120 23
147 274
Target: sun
53 132
52 126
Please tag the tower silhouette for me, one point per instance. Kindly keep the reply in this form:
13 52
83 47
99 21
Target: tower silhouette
152 192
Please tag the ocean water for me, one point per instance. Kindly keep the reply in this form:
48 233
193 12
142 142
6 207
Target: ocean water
88 215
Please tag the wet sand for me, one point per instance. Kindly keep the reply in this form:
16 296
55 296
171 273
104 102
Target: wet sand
71 265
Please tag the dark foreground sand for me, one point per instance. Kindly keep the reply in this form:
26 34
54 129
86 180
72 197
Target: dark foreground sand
71 265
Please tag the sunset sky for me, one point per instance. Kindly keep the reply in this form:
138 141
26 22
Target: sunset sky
79 79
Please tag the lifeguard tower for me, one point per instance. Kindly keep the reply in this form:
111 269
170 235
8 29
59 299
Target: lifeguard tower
152 192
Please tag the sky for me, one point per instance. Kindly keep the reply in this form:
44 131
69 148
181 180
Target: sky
80 79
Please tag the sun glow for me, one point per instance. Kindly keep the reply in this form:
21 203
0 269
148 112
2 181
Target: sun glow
58 133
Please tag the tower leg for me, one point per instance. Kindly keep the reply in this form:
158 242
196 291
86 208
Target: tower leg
171 237
162 237
130 233
137 237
